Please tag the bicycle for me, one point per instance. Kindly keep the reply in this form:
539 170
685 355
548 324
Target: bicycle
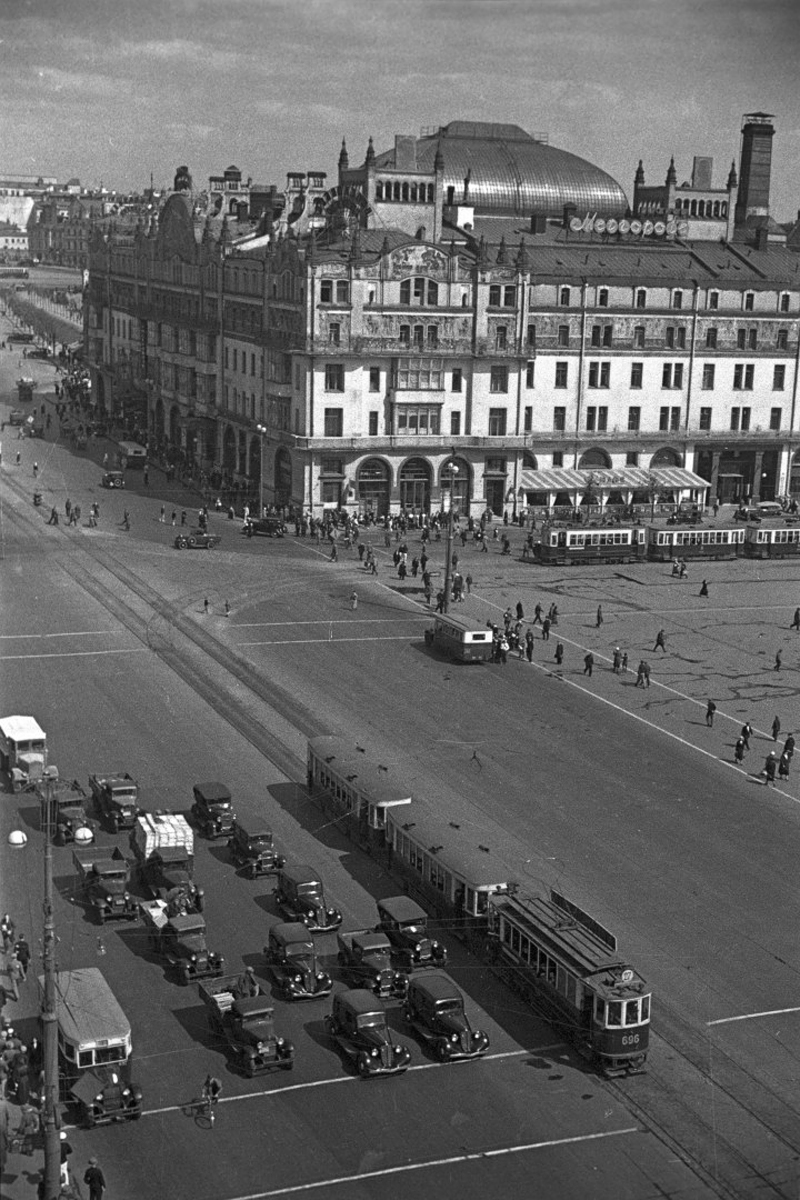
210 1098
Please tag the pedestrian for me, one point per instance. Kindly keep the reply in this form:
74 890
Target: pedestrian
588 663
546 629
19 456
335 553
520 611
7 928
704 588
205 606
183 516
53 516
227 609
710 710
640 674
126 519
770 767
414 567
660 641
788 745
559 653
747 732
625 663
95 1180
683 572
174 518
738 750
354 600
35 470
402 571
373 566
440 601
646 666
778 660
783 766
537 614
362 549
162 515
68 507
468 582
503 648
795 619
146 477
617 660
105 461
776 728
553 614
599 621
23 951
529 645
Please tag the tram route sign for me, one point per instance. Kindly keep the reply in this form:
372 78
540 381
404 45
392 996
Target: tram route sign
584 919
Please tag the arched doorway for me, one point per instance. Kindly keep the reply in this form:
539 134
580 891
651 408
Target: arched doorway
461 482
283 477
415 485
374 487
229 450
594 459
666 457
529 461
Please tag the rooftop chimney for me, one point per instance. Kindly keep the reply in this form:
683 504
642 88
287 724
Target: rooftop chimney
755 167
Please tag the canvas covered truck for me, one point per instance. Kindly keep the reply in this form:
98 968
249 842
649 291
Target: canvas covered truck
23 752
104 875
181 940
163 844
115 798
246 1023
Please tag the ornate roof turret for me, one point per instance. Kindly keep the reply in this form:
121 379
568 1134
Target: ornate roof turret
638 178
344 161
522 261
502 256
672 174
483 255
370 153
733 179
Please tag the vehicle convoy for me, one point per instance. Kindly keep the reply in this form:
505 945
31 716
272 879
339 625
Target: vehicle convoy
181 940
366 960
94 1049
212 810
359 1026
23 752
104 875
301 897
163 844
246 1023
253 848
292 959
434 1008
68 814
115 796
406 926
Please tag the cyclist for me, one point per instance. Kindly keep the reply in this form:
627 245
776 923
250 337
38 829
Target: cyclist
211 1089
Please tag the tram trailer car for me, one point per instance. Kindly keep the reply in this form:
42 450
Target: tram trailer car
663 545
771 542
566 966
578 544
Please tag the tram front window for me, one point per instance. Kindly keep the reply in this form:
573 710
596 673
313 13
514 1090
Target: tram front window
645 1008
632 1012
614 1012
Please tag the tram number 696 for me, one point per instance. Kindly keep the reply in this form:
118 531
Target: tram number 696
632 1039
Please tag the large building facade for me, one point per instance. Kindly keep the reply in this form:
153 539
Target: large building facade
421 335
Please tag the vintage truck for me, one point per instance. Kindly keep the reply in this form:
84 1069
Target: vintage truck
23 752
292 959
68 814
358 1025
115 798
301 897
406 926
181 940
365 958
163 844
246 1023
212 810
253 848
434 1008
94 1049
104 875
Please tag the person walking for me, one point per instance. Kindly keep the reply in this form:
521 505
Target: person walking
335 553
660 641
354 600
599 620
7 929
126 519
588 664
738 751
646 666
205 606
174 518
529 645
23 952
520 611
469 581
616 662
747 733
53 516
796 621
35 470
559 653
227 609
640 674
625 663
704 588
770 766
776 728
783 766
778 657
710 710
162 516
546 629
94 1180
788 745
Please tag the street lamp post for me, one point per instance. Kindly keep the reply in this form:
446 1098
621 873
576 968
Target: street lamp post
261 430
448 567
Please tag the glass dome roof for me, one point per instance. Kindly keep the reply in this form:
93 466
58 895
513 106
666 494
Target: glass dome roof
512 174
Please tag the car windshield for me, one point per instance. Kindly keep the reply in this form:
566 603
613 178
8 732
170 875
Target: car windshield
260 841
373 1020
412 927
449 1006
312 891
299 949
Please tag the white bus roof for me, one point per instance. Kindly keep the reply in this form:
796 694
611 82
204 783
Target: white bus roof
22 729
87 1009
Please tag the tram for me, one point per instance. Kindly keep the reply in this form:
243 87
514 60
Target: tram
665 544
761 542
566 967
567 546
357 791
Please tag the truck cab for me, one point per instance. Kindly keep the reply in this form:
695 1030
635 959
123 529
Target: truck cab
406 926
168 874
301 897
292 959
70 802
181 939
23 752
247 1024
115 797
104 875
213 809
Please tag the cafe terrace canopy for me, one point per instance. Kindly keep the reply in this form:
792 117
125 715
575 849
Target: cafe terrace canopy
602 481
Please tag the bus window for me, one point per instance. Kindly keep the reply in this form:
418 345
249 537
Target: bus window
614 1016
632 1012
645 1008
481 903
599 1009
85 1058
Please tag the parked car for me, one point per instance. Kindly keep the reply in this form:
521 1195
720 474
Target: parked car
434 1008
301 897
113 479
197 541
406 926
254 849
292 959
212 810
359 1026
366 960
265 526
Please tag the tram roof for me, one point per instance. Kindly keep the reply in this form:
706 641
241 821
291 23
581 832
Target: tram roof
461 846
372 778
577 945
568 479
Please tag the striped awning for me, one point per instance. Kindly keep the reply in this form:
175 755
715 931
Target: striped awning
607 479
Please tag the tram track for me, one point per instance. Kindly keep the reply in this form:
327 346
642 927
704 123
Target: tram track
676 1090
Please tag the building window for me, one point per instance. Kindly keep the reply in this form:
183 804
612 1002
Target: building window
637 375
775 418
708 377
334 422
498 380
663 419
334 333
457 380
749 301
505 297
783 303
433 337
528 418
494 295
705 418
669 340
558 458
641 298
778 378
419 374
342 291
326 291
634 419
608 335
419 291
418 420
602 298
455 424
745 419
782 339
599 375
419 336
373 424
562 374
497 422
638 337
529 373
735 416
563 335
595 336
741 339
672 375
564 297
374 379
334 377
743 377
713 300
405 335
591 418
711 338
677 298
532 337
559 419
752 339
674 418
501 337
